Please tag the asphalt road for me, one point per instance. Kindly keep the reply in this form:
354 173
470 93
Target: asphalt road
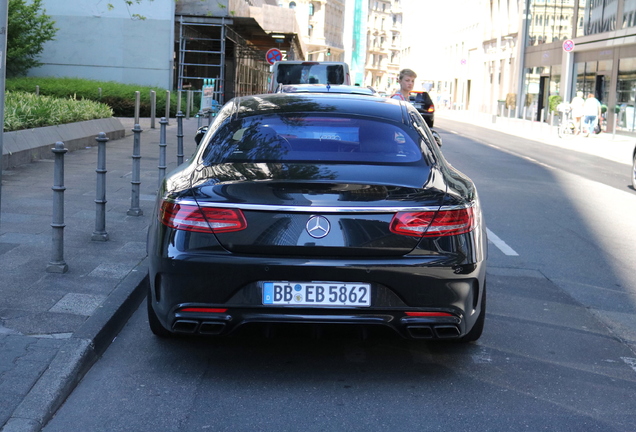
557 353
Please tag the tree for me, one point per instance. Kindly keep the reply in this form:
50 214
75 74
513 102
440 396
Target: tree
130 3
28 29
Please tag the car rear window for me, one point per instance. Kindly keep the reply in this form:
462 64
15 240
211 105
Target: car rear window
421 98
309 138
310 73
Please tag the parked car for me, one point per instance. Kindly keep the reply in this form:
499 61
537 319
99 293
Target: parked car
308 72
318 209
423 103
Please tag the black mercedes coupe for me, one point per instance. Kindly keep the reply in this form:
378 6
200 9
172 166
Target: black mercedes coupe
318 208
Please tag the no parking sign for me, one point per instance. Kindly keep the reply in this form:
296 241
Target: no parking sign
273 55
568 45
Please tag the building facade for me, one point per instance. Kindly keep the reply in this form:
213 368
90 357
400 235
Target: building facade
383 44
601 61
178 45
94 42
516 57
322 27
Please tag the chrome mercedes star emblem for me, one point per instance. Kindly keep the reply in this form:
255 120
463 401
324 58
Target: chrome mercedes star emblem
318 226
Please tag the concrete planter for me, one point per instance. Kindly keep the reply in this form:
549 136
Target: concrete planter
25 146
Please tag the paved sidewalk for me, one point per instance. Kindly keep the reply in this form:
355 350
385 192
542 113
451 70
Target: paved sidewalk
615 147
54 326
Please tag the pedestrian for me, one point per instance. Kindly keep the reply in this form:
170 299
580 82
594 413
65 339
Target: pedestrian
591 113
577 109
406 79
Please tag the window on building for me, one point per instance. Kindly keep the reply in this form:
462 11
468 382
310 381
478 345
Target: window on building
292 5
625 101
310 30
311 9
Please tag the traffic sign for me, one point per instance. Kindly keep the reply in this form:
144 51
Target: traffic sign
568 45
273 55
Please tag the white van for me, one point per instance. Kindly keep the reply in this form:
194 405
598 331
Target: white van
308 72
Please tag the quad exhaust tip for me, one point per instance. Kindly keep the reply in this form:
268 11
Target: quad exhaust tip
192 326
433 332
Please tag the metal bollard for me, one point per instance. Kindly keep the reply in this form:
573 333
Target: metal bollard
188 103
57 263
162 149
153 108
167 106
136 174
179 138
200 115
137 105
100 233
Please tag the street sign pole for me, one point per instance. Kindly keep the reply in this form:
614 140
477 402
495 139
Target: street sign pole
4 17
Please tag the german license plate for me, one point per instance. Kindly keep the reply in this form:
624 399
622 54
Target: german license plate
316 294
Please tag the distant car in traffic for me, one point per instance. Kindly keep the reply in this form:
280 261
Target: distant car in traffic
308 72
315 209
423 103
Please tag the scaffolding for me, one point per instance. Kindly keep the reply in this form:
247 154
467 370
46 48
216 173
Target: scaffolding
201 53
208 48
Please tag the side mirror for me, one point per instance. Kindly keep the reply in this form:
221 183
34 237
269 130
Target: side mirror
199 135
438 138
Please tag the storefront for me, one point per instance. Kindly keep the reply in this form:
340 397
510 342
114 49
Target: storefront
603 61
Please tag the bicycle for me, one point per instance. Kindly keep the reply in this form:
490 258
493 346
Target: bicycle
567 128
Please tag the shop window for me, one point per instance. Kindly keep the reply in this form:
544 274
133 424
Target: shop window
626 95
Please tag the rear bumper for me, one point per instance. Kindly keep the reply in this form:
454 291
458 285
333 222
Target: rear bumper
407 327
235 284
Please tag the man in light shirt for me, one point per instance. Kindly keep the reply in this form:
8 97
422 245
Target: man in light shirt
591 113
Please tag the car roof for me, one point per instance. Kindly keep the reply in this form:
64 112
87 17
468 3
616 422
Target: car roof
320 103
325 88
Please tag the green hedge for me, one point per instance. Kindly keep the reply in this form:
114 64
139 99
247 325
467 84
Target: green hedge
120 97
26 110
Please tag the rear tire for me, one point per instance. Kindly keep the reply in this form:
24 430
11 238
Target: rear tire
478 327
153 321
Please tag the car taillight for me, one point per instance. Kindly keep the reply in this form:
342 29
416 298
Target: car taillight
429 314
189 217
431 109
434 224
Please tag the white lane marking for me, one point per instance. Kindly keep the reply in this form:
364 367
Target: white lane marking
501 245
631 362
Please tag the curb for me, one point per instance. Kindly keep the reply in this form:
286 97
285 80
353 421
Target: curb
79 353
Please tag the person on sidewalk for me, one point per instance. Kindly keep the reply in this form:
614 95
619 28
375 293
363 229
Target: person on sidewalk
406 79
577 109
592 112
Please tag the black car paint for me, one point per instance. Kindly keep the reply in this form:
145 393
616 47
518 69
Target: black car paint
442 273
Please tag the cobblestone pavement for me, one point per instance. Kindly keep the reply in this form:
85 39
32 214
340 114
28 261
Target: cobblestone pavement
54 325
